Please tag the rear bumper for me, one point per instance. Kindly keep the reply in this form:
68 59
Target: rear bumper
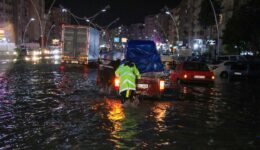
198 81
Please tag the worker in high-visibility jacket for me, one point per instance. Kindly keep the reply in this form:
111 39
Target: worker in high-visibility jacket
127 73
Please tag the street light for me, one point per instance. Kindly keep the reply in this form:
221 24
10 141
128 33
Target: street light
106 31
42 28
114 21
27 25
174 21
40 22
93 24
98 13
48 35
48 14
216 21
65 10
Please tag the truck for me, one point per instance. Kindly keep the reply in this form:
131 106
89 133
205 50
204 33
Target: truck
153 81
80 44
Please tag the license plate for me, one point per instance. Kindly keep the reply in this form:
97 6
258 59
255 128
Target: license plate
238 73
142 86
199 77
74 62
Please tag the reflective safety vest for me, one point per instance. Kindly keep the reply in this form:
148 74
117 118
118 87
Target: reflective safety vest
127 76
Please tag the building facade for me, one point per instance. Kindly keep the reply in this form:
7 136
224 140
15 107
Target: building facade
15 16
56 18
7 32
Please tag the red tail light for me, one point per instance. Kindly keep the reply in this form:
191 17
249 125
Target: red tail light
116 82
162 85
185 76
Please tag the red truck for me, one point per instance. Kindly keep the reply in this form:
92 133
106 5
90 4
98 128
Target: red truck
153 82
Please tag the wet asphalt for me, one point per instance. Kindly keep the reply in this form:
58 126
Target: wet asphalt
45 106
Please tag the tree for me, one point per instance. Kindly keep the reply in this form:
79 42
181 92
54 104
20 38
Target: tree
206 15
242 31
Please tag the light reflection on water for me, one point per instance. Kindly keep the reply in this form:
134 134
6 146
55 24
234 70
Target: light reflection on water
45 107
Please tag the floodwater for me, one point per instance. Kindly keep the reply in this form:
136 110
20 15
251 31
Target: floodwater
50 107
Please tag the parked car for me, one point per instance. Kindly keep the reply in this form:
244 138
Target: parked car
223 69
238 70
192 72
253 71
245 70
231 58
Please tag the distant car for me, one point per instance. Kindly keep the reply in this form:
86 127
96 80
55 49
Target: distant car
192 72
223 69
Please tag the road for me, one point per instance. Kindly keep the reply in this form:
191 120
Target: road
50 107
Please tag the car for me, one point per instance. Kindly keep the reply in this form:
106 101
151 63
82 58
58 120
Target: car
239 70
223 69
245 70
192 72
253 70
231 58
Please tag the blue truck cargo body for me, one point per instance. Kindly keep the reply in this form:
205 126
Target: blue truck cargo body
144 54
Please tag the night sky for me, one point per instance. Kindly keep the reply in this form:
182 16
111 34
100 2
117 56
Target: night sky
129 11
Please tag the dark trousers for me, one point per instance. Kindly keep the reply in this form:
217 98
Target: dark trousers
130 97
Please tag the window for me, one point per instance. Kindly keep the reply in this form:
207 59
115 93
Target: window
195 66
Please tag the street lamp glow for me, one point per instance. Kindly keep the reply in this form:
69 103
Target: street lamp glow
64 10
27 25
106 8
174 21
99 12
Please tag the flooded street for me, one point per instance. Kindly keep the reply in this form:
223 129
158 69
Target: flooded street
50 107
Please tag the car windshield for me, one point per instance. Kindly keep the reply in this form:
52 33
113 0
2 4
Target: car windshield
195 66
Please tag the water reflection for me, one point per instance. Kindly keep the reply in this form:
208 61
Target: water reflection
45 107
159 112
125 124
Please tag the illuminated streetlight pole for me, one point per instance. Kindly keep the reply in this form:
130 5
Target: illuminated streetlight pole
27 25
174 21
42 28
106 31
40 22
65 10
114 21
98 13
48 35
49 12
216 21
